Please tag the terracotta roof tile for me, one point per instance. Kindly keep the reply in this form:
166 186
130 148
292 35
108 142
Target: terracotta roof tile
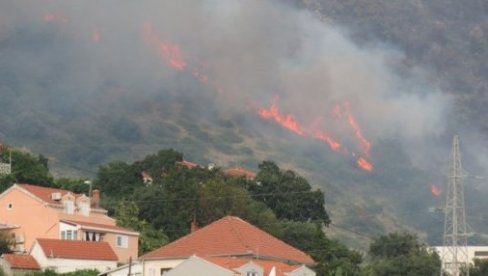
82 250
108 228
21 261
44 193
187 164
240 172
230 236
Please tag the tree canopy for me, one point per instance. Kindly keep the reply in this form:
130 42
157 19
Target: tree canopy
401 254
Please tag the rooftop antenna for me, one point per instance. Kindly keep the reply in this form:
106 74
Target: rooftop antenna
455 250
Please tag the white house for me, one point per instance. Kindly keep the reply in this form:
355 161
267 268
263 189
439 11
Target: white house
473 252
70 255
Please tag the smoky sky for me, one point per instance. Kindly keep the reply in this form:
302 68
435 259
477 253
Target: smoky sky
251 52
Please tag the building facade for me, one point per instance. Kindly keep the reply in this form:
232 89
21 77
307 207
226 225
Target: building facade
33 212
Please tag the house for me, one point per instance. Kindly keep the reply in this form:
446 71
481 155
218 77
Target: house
220 266
70 255
230 244
240 172
187 164
18 264
471 252
33 212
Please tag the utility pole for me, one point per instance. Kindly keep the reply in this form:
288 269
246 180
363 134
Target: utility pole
454 253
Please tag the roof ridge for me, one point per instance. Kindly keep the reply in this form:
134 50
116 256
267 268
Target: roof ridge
240 238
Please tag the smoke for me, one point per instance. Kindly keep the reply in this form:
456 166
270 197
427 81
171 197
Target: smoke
68 53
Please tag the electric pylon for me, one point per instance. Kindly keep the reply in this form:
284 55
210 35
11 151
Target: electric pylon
455 250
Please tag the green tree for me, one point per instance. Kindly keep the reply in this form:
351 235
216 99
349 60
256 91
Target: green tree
219 198
172 204
30 169
75 185
26 168
401 254
6 243
126 214
331 256
479 268
118 179
289 196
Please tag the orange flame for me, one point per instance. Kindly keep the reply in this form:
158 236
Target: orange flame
287 121
170 52
323 136
365 144
436 191
173 56
365 165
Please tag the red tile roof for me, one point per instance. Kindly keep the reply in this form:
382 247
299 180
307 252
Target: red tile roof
240 172
81 250
234 263
187 164
45 193
98 226
21 261
230 236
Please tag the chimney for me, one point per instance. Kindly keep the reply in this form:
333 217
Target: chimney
95 198
194 225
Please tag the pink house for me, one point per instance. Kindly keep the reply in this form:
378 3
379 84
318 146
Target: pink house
32 212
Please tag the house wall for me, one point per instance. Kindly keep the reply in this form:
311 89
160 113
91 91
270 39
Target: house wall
34 218
123 254
135 270
153 267
61 265
301 271
480 252
251 267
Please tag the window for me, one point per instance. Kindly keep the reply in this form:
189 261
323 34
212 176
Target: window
122 241
481 253
10 206
93 236
69 207
69 235
84 208
164 270
251 273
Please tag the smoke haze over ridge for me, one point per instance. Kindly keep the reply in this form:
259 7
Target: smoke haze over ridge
69 53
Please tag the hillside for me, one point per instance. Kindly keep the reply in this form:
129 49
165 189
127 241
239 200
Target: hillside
389 82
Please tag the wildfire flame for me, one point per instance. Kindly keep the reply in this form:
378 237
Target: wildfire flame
287 121
365 164
174 57
365 144
436 191
170 52
323 136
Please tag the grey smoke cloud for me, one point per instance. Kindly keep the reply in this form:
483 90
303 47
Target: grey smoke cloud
251 50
